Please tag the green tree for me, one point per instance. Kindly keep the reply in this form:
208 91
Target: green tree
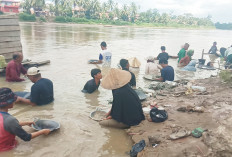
124 14
133 11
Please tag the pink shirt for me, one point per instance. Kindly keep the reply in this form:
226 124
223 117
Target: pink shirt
13 71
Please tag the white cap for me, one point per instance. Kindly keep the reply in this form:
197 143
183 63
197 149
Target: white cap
33 71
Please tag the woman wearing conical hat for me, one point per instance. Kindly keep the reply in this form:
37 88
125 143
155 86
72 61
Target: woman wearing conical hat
126 109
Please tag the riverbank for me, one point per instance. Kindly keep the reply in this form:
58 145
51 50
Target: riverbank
216 103
74 20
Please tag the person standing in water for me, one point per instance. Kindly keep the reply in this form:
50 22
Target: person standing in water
182 52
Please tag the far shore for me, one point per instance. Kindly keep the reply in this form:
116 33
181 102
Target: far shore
110 25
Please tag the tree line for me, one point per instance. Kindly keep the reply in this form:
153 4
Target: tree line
226 26
111 11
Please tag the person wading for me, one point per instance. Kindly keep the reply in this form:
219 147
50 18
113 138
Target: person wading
41 90
10 126
14 68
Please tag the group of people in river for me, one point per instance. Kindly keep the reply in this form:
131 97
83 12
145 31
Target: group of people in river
126 108
41 94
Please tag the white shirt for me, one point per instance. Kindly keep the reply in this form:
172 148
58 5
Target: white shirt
106 58
151 69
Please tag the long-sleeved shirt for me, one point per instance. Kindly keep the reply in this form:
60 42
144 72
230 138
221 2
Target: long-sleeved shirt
13 71
9 128
151 69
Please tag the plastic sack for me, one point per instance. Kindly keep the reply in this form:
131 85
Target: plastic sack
158 115
138 147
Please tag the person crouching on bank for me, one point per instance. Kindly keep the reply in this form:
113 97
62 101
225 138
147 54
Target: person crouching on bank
126 108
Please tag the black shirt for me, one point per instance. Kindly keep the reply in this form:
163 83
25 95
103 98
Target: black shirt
42 92
163 55
133 79
90 86
126 107
167 73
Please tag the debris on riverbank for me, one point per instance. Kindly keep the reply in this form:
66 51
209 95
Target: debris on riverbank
213 115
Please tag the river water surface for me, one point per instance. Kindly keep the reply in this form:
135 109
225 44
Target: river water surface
69 47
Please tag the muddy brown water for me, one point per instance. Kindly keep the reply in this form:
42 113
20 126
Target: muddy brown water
69 47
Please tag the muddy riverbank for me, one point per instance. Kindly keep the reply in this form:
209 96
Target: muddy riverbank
217 106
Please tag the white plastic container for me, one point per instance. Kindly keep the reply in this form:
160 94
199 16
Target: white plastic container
198 88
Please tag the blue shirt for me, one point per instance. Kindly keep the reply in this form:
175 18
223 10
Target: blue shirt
167 73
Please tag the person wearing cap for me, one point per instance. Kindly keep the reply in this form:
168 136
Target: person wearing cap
125 66
163 54
151 67
185 61
182 52
10 126
167 73
41 90
94 83
14 68
126 108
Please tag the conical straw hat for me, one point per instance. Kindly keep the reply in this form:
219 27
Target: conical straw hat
115 78
134 62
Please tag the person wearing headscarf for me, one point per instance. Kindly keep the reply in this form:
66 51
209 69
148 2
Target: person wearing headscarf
126 108
185 61
182 52
151 67
190 66
10 126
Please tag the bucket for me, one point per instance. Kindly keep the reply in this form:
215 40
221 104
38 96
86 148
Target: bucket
201 61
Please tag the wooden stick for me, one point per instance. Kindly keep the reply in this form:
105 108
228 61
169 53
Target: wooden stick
199 149
202 54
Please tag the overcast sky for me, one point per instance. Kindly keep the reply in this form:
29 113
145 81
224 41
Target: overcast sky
220 10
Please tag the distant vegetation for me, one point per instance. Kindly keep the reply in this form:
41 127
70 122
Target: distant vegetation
92 11
27 17
227 26
1 13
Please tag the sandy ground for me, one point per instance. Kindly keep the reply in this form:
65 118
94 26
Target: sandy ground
217 105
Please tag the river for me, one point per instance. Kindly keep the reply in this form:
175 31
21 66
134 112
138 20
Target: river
69 47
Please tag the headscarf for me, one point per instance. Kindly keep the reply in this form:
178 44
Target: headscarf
7 97
190 53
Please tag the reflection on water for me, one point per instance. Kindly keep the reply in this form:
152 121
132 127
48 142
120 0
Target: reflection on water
69 47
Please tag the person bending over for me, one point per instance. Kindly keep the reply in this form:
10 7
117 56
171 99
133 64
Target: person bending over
94 83
14 68
126 108
185 61
167 73
41 90
10 126
182 52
